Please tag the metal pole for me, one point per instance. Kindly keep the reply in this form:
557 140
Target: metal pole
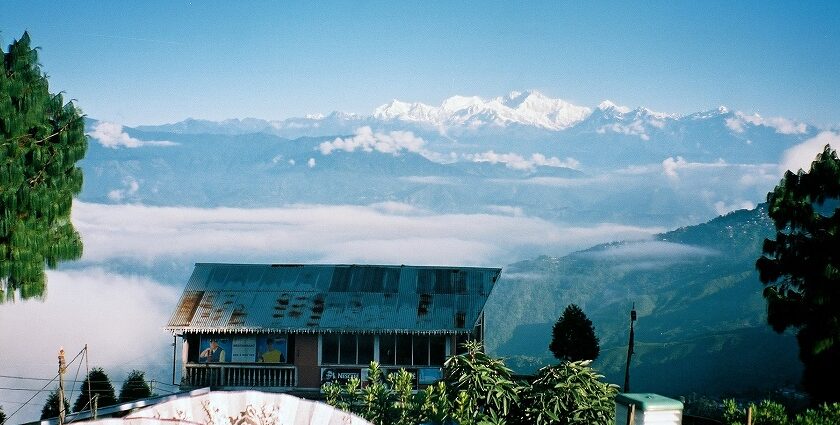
62 366
174 348
629 350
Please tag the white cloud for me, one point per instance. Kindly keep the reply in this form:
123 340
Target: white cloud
305 233
780 124
400 208
131 188
506 210
649 255
311 163
367 140
671 166
650 250
119 317
635 128
518 162
802 155
111 135
435 180
570 182
722 208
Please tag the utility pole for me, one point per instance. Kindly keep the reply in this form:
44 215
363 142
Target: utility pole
62 367
174 347
629 350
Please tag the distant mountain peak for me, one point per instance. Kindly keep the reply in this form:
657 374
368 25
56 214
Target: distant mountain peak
608 105
530 108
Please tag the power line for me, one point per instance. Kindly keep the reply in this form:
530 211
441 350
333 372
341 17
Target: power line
22 389
48 379
39 392
27 401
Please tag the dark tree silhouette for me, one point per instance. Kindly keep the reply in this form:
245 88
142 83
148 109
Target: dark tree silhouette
573 336
41 139
135 387
50 409
801 270
100 385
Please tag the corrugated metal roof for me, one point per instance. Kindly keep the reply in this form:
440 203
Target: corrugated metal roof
240 298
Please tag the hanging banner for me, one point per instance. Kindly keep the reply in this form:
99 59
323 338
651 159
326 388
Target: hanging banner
244 349
214 350
271 349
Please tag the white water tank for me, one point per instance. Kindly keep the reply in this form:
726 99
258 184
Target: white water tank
650 409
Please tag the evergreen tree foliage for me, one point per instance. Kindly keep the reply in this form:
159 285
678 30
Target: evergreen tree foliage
50 409
801 270
41 139
573 336
135 387
2 415
96 383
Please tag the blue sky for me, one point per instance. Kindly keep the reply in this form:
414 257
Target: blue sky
153 62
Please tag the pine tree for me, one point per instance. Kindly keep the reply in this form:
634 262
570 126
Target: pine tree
41 139
2 415
96 383
135 387
50 409
573 336
801 270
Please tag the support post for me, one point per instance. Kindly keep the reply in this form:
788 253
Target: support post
174 348
629 350
62 367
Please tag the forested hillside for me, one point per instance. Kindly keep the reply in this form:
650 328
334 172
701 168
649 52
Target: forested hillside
701 317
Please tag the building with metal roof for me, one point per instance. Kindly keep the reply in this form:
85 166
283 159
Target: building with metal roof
290 326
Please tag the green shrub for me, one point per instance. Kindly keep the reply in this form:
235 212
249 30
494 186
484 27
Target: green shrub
569 393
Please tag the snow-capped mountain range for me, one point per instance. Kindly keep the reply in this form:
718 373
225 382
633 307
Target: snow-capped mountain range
528 108
462 115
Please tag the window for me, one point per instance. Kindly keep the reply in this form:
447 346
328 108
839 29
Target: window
403 349
407 350
395 350
437 350
329 348
421 350
346 349
386 349
365 349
